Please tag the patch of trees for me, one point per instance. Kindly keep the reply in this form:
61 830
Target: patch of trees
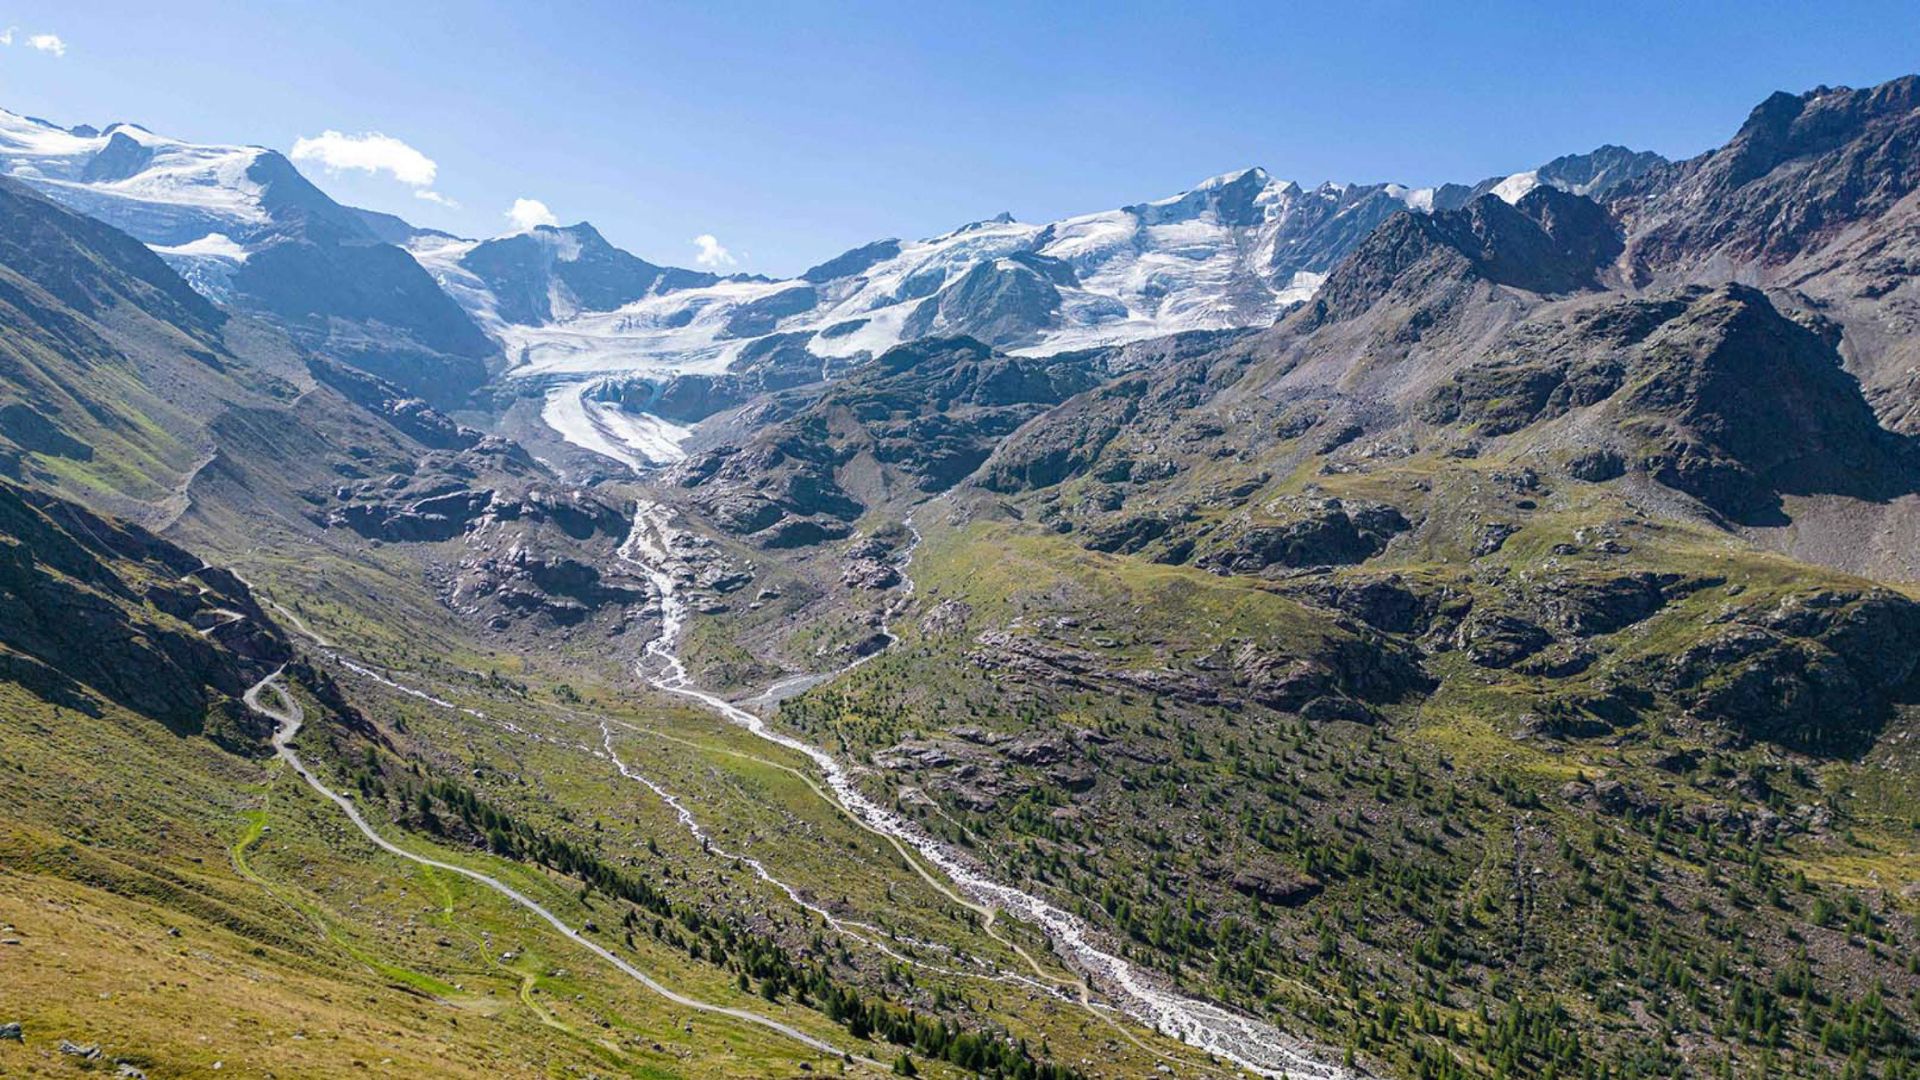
759 962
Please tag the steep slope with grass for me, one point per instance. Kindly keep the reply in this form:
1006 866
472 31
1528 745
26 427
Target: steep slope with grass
1504 665
113 367
249 231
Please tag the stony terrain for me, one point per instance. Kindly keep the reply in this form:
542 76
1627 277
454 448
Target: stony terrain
1498 660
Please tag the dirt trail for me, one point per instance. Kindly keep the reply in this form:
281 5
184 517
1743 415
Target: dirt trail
289 716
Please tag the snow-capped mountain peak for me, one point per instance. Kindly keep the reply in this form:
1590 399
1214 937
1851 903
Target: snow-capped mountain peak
1420 199
162 190
1254 175
244 227
1515 187
574 314
1234 250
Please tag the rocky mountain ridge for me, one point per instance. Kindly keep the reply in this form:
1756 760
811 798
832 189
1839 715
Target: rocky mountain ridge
1236 251
1472 665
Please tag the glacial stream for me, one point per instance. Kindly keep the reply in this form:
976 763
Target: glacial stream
1243 1040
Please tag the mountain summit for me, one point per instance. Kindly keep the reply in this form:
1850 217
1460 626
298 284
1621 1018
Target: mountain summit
246 228
1351 631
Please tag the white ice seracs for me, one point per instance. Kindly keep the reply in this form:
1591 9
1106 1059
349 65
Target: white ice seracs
1206 259
636 439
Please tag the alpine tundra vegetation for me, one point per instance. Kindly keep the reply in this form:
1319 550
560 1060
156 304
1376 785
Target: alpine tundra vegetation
1313 630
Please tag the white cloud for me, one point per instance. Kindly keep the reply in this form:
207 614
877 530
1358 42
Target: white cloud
369 152
7 38
48 43
527 213
435 197
712 252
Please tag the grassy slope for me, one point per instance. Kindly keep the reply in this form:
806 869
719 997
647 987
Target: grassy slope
1443 826
378 961
314 951
765 802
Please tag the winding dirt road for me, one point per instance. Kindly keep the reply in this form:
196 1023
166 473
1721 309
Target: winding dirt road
288 715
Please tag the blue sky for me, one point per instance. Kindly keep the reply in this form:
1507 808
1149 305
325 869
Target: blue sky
790 132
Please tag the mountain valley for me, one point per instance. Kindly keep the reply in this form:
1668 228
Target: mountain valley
1349 631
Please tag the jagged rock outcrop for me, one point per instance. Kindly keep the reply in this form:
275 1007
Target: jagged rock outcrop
412 416
869 564
1083 435
1550 242
925 415
760 316
546 552
1816 671
1709 391
528 271
438 515
1306 531
1339 677
564 590
1801 169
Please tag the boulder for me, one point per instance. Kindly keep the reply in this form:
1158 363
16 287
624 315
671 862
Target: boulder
1272 884
1313 532
1497 639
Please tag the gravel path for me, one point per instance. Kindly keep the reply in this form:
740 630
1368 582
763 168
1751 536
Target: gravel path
286 712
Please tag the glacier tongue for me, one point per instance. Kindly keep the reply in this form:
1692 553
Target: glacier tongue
637 440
